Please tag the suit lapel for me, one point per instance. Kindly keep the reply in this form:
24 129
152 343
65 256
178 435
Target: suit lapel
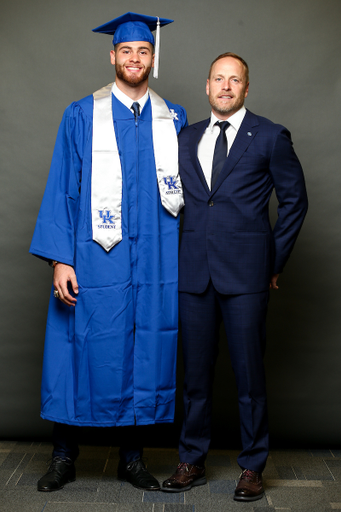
246 133
196 135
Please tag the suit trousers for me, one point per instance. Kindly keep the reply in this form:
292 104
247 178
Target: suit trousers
244 320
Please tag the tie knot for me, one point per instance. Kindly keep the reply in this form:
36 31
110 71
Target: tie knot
223 125
136 108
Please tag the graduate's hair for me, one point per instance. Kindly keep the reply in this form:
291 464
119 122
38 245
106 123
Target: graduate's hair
235 56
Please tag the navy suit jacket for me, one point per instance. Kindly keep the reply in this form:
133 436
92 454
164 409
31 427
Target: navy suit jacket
227 234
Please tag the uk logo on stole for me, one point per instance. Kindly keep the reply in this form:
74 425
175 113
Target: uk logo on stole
173 187
108 220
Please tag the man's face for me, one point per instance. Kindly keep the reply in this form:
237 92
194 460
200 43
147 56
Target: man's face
227 87
133 62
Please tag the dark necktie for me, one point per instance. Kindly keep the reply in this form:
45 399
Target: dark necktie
136 108
220 152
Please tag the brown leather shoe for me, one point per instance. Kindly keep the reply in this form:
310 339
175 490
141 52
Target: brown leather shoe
185 477
250 487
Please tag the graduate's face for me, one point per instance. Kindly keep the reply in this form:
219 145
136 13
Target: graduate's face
227 87
133 62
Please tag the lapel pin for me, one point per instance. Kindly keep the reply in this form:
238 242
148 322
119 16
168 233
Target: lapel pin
249 134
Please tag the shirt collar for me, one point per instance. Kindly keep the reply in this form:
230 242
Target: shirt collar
123 98
235 120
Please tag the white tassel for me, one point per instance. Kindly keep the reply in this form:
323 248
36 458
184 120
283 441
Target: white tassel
157 50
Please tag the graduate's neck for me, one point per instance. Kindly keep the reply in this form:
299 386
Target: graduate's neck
135 92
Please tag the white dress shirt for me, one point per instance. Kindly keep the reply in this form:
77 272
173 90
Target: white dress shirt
207 143
123 98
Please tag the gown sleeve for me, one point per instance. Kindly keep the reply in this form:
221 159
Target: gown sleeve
179 116
182 117
54 234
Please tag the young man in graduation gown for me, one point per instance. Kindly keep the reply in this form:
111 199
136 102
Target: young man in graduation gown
229 258
109 225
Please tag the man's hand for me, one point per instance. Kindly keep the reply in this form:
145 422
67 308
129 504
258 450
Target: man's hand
273 282
63 274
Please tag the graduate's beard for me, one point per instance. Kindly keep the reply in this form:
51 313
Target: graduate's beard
134 81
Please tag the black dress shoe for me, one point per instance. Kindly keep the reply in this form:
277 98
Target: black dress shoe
137 475
60 472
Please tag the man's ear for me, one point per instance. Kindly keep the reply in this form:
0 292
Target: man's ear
208 87
112 57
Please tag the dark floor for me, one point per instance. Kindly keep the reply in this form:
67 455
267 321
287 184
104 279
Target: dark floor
297 480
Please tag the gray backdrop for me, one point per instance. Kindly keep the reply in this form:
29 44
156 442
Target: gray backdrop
50 57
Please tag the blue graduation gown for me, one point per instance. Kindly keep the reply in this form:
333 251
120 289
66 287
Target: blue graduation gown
111 360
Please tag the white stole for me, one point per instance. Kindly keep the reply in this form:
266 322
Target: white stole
106 179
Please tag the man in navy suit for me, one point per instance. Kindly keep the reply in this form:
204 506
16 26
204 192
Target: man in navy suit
229 259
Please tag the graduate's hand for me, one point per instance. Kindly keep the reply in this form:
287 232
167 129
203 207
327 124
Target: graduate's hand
273 282
64 274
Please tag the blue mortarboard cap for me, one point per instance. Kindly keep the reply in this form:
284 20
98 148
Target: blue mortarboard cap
135 27
132 27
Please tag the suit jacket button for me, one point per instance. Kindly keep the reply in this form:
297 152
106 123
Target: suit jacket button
211 203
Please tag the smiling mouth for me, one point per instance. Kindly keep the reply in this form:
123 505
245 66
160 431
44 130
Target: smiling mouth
134 69
225 97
